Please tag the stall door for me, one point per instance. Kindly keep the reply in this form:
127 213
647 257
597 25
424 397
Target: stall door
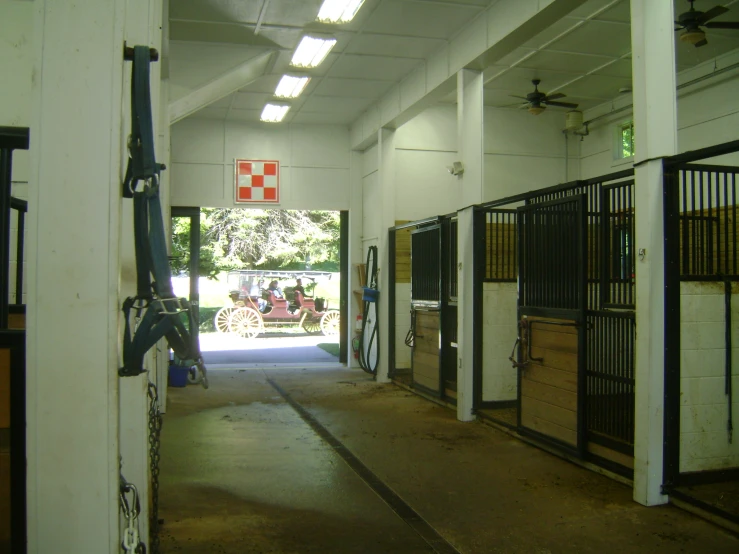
552 294
426 290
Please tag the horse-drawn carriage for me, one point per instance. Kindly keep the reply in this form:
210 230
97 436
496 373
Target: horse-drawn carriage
256 308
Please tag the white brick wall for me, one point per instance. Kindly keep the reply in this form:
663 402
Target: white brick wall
499 331
402 324
704 441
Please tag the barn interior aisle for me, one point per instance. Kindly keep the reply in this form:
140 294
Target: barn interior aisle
325 460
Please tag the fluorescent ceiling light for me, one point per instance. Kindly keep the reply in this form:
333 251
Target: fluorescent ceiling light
339 11
291 87
312 51
274 113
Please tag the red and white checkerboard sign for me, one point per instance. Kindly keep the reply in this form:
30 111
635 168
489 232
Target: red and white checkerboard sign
257 181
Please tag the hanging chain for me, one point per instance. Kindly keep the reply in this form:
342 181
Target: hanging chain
155 428
131 540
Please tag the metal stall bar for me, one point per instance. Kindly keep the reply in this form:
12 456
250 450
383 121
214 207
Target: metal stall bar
20 206
11 138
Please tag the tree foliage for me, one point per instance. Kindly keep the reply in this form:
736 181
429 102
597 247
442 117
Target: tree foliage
259 239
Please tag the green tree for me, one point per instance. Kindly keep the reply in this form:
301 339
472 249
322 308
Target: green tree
260 239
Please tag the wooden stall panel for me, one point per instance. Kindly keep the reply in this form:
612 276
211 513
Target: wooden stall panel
4 501
4 453
16 321
549 386
425 360
500 244
403 254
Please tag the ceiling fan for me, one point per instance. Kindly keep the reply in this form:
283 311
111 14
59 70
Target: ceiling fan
692 21
537 101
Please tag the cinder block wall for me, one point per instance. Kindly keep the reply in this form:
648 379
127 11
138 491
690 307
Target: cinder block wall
704 443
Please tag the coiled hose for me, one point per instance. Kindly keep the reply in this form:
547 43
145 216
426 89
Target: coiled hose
370 335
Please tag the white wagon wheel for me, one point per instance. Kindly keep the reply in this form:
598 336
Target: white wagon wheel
221 319
246 322
330 323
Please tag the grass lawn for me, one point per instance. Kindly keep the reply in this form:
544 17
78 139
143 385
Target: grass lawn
330 347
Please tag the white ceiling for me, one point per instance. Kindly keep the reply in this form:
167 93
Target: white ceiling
585 55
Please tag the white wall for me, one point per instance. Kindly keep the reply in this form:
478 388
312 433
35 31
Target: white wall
708 114
314 163
704 441
424 147
499 331
371 199
522 153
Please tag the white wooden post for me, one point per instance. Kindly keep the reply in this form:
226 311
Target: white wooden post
655 125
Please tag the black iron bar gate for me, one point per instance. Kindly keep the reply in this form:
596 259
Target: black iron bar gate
552 290
430 258
593 379
701 284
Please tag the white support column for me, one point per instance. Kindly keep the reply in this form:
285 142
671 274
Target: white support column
76 153
470 114
465 323
386 171
355 245
655 124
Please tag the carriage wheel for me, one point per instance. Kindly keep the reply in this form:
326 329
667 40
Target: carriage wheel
221 319
246 322
330 323
311 325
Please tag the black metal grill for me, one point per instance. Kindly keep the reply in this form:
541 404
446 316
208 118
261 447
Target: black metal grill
610 378
550 254
426 264
500 246
453 258
617 251
708 226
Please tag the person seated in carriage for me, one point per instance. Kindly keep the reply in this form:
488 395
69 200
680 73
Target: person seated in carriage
255 293
298 288
275 289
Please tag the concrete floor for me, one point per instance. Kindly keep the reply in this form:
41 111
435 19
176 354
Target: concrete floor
242 472
274 348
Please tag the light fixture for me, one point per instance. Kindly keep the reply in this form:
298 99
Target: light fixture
693 36
536 110
274 113
312 51
291 86
338 11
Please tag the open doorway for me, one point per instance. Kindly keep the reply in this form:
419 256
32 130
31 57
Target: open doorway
271 287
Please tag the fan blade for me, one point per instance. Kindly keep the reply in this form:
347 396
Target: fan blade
701 43
522 106
710 14
521 97
723 25
555 96
560 104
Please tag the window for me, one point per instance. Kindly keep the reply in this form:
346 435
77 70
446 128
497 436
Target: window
625 141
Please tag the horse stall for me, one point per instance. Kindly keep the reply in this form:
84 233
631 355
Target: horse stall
555 317
423 314
702 330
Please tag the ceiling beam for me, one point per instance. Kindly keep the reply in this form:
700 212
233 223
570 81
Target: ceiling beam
504 26
220 87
